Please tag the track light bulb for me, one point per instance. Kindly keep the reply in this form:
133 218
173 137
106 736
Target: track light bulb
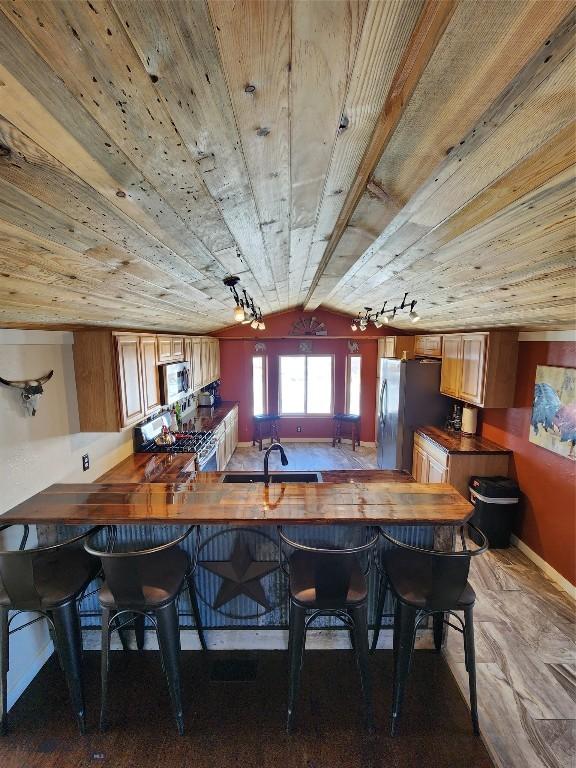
414 316
362 327
377 324
261 326
386 319
354 327
238 313
254 324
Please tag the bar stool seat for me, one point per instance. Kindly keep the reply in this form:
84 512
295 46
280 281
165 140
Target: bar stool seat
316 579
58 577
409 581
160 580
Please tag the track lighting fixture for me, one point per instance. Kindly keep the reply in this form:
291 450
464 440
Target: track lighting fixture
384 316
245 311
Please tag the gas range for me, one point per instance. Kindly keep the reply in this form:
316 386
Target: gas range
203 444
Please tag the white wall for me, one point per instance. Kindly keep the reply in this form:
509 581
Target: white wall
40 450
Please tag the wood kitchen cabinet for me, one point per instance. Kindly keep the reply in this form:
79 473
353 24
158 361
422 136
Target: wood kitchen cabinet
227 437
480 368
170 349
150 379
431 463
428 346
130 389
395 346
116 379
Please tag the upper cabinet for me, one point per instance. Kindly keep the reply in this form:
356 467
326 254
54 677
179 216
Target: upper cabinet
117 379
480 368
170 349
428 346
396 346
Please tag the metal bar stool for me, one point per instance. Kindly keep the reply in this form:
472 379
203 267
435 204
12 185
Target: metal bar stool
48 581
265 425
327 582
147 582
426 583
343 421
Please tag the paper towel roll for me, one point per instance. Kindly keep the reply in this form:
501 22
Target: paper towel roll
469 420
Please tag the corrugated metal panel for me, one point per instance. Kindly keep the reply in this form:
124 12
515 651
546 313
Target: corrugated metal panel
217 543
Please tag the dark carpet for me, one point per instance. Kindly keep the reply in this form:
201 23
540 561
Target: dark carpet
235 716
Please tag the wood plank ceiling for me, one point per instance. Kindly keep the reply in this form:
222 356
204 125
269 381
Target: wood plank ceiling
329 152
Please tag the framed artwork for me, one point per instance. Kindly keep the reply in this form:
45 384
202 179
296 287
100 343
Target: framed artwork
553 423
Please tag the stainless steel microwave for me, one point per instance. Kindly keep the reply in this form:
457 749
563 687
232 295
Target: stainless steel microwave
174 382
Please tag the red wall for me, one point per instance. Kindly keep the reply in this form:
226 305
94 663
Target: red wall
237 346
548 520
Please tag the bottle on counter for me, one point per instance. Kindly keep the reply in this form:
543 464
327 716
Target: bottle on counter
173 421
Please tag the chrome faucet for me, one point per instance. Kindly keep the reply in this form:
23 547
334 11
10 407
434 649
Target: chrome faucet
283 458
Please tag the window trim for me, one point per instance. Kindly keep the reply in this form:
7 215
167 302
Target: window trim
264 383
329 414
348 380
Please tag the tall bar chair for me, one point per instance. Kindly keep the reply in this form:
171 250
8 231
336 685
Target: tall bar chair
425 583
147 582
48 581
326 581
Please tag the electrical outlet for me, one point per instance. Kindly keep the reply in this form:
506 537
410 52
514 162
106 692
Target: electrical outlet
85 462
298 429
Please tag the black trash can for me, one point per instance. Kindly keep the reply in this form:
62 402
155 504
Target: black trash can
495 502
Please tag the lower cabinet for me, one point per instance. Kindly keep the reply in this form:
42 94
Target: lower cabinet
432 464
227 437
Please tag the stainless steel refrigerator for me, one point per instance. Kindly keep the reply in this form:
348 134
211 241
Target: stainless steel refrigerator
408 397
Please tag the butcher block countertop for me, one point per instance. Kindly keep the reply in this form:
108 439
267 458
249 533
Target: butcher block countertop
456 442
207 501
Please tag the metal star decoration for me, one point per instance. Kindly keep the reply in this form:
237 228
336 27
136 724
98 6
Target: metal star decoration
240 576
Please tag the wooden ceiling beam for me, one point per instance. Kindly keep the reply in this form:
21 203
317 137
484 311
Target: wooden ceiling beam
433 20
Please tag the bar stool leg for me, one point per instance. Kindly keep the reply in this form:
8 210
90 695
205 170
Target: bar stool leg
69 640
104 665
139 622
169 642
196 610
359 615
382 590
438 625
296 645
470 655
406 618
4 655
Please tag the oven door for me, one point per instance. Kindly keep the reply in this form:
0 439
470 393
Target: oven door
209 463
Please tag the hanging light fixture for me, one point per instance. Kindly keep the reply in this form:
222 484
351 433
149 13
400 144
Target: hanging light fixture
245 311
414 316
384 316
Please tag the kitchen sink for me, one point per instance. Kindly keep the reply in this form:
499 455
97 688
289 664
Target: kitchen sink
275 477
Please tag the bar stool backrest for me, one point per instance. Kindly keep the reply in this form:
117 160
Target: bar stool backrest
126 573
18 569
331 583
443 575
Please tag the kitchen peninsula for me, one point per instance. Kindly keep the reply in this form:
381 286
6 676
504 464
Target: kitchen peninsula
204 499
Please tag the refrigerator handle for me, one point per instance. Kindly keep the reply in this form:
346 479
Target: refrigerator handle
383 413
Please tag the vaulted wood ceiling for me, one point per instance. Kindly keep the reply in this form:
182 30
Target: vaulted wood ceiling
329 152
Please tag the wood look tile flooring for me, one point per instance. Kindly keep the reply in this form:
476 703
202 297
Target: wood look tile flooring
526 662
305 456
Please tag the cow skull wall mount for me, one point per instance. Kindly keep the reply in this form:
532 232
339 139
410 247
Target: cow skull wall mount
31 391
